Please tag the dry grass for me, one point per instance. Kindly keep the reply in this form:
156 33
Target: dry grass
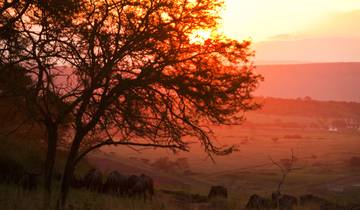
13 198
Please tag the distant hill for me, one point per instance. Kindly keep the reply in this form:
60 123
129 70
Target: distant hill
306 107
320 81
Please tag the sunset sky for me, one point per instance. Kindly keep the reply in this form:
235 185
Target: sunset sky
278 28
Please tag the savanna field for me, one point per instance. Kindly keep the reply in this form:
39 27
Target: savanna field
179 105
326 164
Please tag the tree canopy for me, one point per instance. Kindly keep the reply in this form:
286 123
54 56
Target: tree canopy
127 72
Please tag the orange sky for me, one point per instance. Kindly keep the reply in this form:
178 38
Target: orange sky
296 31
261 19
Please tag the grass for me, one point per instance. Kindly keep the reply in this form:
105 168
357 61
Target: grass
14 198
238 172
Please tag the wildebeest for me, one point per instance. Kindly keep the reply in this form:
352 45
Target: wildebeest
10 171
29 181
218 192
93 180
284 201
287 202
140 186
115 184
258 202
76 182
149 184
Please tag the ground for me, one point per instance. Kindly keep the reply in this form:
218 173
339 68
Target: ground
323 165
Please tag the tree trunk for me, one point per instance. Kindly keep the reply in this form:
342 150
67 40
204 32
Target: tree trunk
68 173
49 163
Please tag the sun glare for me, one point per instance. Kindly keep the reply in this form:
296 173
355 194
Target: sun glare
200 36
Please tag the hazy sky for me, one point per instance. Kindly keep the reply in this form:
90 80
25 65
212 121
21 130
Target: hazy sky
296 31
261 19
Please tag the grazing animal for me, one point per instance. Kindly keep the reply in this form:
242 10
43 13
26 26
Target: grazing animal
284 201
115 184
287 202
93 180
138 189
140 186
76 183
149 184
131 181
29 181
258 202
10 171
218 192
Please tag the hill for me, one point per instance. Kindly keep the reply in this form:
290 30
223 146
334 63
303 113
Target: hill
306 107
321 81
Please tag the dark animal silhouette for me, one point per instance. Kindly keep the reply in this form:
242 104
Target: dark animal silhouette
218 192
149 185
93 180
258 202
284 201
321 202
140 186
29 181
138 189
10 171
131 181
77 183
288 202
115 184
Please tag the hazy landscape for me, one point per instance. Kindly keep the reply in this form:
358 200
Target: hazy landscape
179 105
323 135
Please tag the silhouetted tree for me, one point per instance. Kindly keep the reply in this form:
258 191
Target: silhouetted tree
286 166
28 54
128 73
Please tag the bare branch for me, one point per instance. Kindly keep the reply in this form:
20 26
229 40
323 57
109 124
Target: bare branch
110 142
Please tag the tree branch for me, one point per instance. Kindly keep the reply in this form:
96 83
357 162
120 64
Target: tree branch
111 142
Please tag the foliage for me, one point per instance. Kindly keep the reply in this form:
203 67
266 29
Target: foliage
127 73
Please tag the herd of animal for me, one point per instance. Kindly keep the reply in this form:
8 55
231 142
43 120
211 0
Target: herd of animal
11 172
116 184
282 201
142 186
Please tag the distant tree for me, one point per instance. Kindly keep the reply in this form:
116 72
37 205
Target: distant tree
286 166
129 73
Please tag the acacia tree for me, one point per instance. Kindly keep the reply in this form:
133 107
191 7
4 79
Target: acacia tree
28 53
142 81
128 73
